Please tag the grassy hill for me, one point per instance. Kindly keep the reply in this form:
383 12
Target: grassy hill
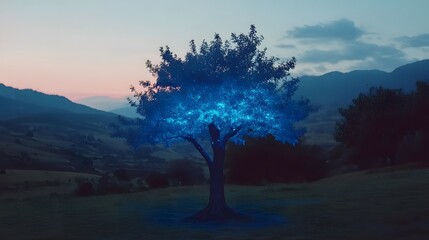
18 185
29 98
72 142
49 132
388 204
61 141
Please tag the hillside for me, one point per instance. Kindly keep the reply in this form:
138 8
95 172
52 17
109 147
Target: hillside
49 132
11 108
30 101
61 141
41 131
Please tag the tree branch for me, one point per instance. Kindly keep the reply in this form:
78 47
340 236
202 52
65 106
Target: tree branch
232 132
199 148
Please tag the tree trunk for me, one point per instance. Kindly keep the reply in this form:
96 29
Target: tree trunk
217 209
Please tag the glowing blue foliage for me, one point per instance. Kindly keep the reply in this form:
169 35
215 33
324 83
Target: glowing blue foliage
230 84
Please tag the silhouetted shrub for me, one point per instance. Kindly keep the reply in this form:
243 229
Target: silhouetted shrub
313 159
265 160
185 172
85 188
157 180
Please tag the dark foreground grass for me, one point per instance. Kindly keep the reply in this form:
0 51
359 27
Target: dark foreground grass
380 205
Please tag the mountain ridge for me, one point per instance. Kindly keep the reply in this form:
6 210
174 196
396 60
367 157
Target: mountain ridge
339 89
20 102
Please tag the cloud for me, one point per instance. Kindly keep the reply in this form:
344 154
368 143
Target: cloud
342 29
421 40
321 68
342 45
286 46
352 51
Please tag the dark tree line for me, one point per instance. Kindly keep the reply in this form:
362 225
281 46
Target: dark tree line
266 160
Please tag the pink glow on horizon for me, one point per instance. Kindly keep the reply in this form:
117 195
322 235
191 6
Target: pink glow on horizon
74 78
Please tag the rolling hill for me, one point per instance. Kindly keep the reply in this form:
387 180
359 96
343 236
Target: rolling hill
30 102
49 132
41 131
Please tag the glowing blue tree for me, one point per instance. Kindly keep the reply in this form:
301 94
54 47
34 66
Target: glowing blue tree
220 92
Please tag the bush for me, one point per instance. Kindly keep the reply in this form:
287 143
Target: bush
185 172
265 160
157 180
314 160
85 189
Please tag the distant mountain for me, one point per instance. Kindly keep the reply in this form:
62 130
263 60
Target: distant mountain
339 89
127 112
16 103
104 103
413 71
113 105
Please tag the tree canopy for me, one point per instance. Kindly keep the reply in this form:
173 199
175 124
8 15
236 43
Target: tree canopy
231 85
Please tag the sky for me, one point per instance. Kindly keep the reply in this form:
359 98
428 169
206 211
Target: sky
84 48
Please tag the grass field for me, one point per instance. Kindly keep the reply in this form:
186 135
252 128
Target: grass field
19 185
390 204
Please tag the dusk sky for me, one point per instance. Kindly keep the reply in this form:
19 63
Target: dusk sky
83 48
